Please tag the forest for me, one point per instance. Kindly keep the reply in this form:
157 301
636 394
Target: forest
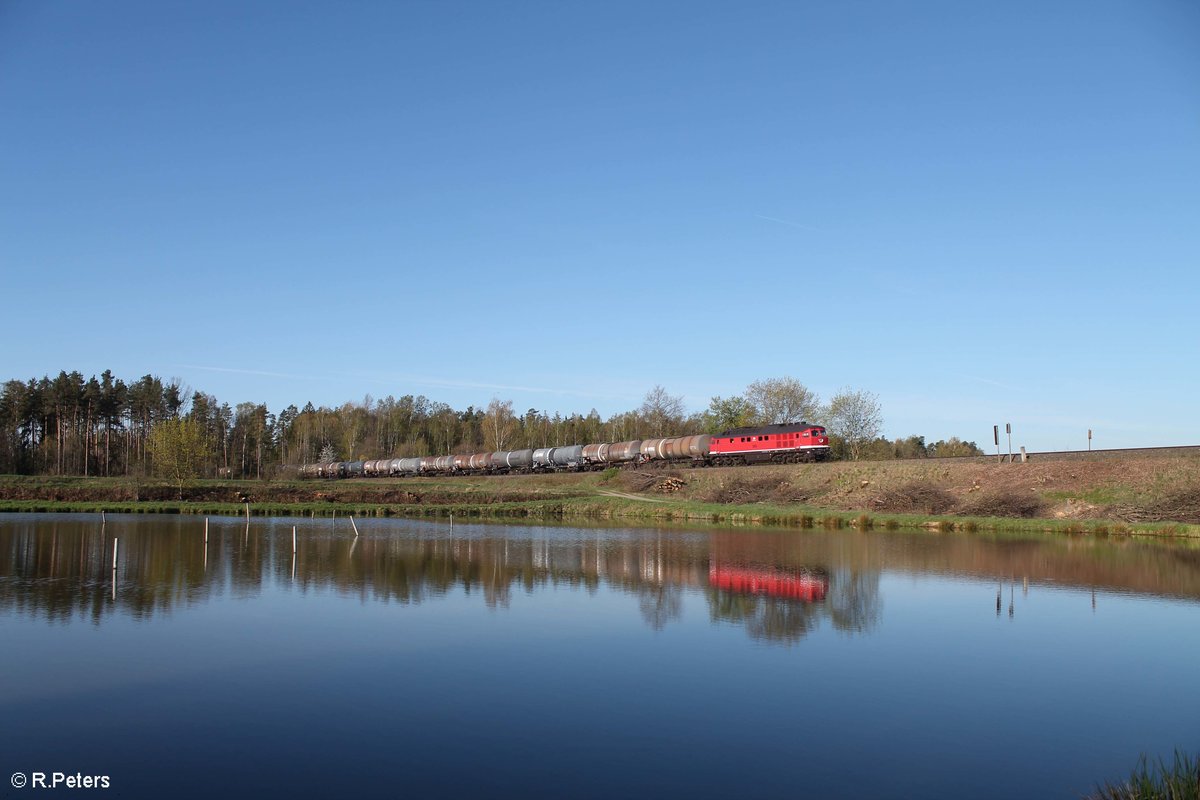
106 426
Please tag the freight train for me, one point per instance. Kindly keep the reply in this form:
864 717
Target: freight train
778 444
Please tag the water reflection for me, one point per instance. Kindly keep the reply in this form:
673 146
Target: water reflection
777 585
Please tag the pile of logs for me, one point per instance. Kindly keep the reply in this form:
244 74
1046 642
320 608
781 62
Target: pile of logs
669 485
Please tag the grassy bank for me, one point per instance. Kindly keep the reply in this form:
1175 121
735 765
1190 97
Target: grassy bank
1155 496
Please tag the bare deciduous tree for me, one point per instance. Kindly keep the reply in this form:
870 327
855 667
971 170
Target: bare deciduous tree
662 413
854 417
499 424
778 401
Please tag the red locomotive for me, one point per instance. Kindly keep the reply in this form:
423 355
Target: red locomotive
782 444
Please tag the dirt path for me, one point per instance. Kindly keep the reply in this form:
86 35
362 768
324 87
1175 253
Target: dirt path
625 496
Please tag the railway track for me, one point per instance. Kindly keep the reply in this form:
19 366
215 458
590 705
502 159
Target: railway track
1076 455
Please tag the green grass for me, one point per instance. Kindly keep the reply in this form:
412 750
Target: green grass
1100 496
1179 780
605 507
546 497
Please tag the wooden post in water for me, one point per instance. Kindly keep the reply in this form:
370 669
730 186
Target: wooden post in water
293 538
115 555
354 526
206 531
247 512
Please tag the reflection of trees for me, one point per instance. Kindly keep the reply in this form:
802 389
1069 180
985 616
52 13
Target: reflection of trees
854 602
769 618
660 604
59 567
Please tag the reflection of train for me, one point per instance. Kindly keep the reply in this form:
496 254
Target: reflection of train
804 585
779 444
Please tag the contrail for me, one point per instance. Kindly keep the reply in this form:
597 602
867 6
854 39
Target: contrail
990 382
264 373
417 380
789 223
455 384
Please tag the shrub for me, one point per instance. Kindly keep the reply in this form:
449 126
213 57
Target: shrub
916 498
1005 504
756 489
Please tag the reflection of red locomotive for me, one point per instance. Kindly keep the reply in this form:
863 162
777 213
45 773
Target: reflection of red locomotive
745 579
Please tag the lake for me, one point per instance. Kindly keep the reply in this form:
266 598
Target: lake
420 659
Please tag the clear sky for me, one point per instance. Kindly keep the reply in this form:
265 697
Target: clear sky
981 212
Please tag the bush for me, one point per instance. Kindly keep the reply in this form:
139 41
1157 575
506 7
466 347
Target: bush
1005 504
1181 505
758 489
916 498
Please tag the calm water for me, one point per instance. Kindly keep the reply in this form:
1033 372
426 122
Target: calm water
423 661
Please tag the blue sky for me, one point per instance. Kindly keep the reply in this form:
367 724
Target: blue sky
982 213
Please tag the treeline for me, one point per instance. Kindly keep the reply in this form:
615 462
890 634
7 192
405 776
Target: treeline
69 425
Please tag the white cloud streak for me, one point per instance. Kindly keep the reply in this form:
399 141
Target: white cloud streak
263 373
789 223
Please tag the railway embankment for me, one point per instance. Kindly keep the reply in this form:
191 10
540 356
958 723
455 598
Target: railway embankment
1155 493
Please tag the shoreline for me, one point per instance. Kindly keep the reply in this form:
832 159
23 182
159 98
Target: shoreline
1155 496
804 518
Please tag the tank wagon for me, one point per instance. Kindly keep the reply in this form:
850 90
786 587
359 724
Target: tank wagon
778 444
